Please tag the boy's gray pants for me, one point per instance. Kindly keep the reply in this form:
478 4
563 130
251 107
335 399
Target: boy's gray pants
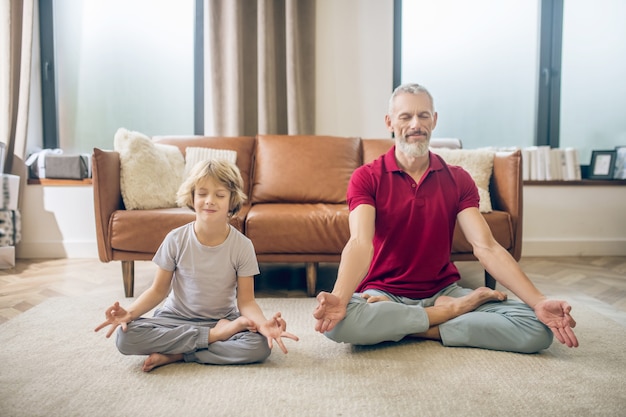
508 326
169 334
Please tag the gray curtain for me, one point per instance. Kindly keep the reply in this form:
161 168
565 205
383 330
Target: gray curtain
16 36
262 66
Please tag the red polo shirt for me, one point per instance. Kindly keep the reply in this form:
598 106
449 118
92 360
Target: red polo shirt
414 223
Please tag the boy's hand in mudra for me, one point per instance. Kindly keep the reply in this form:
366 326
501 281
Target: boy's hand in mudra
275 329
116 315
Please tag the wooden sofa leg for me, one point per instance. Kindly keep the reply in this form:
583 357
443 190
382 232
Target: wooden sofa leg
128 275
311 278
490 281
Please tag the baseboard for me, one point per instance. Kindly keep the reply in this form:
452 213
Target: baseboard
570 247
56 250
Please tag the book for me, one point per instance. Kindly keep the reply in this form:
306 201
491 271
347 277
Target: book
557 164
532 152
543 163
572 164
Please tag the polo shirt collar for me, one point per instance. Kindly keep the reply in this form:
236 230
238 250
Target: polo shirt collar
391 165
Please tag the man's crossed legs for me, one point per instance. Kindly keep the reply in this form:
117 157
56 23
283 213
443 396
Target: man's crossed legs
456 316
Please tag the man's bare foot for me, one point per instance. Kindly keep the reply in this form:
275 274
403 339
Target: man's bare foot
469 302
375 298
159 359
225 329
446 308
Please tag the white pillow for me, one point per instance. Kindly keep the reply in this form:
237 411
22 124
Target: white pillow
479 164
193 155
150 173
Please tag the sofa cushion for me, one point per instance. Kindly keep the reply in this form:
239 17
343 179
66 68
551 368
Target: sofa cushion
142 231
478 163
135 231
298 228
243 145
501 226
373 148
195 154
320 166
150 173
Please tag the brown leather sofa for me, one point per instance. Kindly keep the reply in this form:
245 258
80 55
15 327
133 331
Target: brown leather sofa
296 210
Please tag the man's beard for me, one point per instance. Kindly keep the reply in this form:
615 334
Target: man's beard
414 150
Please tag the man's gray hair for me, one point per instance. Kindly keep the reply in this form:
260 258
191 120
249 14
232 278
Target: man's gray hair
410 88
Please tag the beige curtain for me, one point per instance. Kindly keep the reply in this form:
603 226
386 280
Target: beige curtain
16 24
262 55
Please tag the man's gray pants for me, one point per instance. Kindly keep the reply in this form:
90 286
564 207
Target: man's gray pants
171 335
507 326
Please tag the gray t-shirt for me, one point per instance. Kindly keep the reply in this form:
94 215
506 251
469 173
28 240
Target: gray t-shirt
204 285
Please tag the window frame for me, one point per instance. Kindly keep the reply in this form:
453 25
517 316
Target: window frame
549 85
48 72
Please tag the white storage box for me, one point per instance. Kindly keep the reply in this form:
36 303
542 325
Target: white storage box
7 257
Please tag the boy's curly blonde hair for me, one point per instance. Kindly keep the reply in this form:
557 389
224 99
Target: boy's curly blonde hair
224 172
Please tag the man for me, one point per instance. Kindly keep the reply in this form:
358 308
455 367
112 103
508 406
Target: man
395 278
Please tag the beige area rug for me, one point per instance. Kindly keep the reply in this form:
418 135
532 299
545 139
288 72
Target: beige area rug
53 364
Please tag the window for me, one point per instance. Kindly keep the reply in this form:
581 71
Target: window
117 63
593 91
483 60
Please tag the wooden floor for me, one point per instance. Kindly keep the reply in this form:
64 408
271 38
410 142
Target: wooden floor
597 282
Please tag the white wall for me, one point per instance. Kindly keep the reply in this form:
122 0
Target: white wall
57 222
574 220
354 80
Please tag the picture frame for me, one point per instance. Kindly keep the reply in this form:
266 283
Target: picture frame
620 163
602 164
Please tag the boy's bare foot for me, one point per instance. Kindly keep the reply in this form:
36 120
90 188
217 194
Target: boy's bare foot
225 329
159 359
471 301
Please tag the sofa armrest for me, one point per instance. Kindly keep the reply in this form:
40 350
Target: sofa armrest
107 197
507 194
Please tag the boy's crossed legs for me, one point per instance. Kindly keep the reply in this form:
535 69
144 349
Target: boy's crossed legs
223 330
